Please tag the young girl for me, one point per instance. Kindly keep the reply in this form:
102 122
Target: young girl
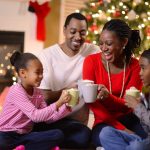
119 140
25 105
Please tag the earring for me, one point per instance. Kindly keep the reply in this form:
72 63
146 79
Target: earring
123 47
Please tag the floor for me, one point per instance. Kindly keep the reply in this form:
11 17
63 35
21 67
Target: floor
91 120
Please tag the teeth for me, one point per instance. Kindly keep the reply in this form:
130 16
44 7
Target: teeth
76 43
107 53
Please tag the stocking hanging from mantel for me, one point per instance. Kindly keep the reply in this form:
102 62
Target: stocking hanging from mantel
41 9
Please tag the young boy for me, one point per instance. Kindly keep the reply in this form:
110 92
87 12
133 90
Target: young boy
141 107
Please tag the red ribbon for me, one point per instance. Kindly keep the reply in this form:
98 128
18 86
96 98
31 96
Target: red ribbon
41 12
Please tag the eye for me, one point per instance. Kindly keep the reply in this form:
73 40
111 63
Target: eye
83 33
72 31
100 43
109 43
38 72
142 68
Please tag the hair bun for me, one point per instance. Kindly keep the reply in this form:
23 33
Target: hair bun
15 56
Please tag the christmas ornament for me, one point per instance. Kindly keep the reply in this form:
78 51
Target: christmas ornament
148 31
137 1
94 28
102 16
100 2
88 17
131 15
117 13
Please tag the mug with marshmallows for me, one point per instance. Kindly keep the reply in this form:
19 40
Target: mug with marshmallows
74 97
133 92
81 83
88 90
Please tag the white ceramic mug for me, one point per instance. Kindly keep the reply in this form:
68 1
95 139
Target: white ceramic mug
80 84
89 92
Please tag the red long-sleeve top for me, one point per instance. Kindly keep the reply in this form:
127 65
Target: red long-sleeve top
109 110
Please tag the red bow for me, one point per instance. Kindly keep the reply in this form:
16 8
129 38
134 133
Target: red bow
41 12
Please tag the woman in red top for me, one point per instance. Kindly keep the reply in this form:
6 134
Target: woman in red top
115 70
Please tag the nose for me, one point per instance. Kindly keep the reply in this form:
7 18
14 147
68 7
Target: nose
41 76
103 47
78 36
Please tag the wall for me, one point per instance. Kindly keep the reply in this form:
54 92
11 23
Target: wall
13 19
52 23
68 7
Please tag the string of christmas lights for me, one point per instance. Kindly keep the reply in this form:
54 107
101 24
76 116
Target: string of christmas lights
135 12
6 67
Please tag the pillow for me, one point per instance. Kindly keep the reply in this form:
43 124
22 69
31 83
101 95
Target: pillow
2 96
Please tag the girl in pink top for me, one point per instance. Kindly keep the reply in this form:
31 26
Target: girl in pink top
25 105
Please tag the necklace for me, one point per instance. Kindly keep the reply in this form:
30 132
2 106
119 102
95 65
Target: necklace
110 84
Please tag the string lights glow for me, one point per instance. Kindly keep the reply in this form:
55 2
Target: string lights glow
136 13
5 67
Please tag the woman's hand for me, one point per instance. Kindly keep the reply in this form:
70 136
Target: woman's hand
131 101
102 92
64 98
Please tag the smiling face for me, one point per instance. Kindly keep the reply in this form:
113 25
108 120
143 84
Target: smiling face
33 74
111 46
75 34
145 71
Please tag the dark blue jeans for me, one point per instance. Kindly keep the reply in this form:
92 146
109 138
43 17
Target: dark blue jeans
76 135
130 121
44 140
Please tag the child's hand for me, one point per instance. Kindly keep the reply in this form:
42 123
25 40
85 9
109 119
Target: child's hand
64 98
131 101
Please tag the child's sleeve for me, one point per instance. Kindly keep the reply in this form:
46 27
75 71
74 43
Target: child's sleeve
143 114
21 101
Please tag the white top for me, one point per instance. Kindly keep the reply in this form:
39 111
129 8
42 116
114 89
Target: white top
62 71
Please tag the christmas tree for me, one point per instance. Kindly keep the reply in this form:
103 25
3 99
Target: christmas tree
134 12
